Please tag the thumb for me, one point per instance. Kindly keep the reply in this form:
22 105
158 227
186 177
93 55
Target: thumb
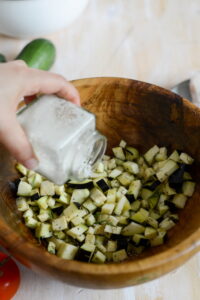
15 140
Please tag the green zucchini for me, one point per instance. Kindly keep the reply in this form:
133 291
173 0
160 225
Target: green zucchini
2 58
38 54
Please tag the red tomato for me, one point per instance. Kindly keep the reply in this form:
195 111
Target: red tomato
9 277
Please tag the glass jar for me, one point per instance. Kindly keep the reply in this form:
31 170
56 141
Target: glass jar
64 138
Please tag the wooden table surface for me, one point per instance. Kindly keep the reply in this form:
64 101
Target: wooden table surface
156 41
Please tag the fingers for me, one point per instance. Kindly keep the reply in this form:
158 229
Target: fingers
15 140
42 82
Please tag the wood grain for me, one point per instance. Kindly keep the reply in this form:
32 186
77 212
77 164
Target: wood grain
143 115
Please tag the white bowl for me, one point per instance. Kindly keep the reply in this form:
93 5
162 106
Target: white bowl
29 18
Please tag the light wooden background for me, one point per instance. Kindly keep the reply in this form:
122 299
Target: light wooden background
151 40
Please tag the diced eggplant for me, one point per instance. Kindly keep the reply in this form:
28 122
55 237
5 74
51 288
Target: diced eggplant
185 158
152 185
163 209
87 184
24 189
67 251
175 156
119 153
99 258
152 222
22 204
112 164
111 246
120 205
119 162
157 241
43 230
149 173
74 232
112 220
188 188
34 197
125 208
167 190
153 200
51 248
111 196
131 167
44 215
99 167
90 205
79 196
57 209
140 239
187 176
125 178
169 168
47 188
135 205
77 221
28 213
59 223
151 153
23 170
131 153
176 179
122 144
146 193
130 198
132 228
98 197
107 208
99 229
116 172
42 202
179 200
167 224
171 206
90 239
121 192
140 216
119 255
162 154
115 183
31 222
90 220
88 247
150 232
134 188
102 184
71 211
113 229
145 203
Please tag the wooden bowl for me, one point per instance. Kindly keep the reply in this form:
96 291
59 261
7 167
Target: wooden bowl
143 115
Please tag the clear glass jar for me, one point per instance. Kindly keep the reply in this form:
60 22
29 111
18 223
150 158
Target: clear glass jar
63 137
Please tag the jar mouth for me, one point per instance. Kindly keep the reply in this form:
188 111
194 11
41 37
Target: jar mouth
98 150
91 152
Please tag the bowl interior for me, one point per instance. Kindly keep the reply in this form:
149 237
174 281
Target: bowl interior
141 114
145 115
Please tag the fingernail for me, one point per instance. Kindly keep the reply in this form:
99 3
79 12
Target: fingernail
31 163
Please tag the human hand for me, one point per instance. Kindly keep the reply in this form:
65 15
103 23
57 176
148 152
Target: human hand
16 82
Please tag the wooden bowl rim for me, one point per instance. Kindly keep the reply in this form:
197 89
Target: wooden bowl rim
21 248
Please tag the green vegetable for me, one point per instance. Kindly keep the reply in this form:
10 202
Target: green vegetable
2 58
38 54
